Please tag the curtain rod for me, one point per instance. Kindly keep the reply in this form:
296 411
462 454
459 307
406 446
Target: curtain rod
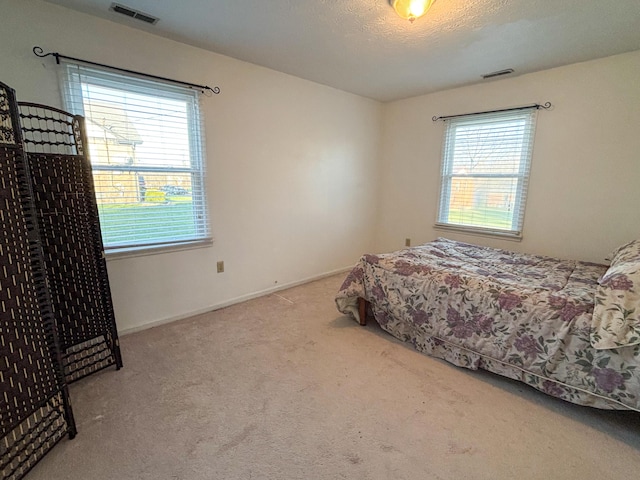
40 53
537 106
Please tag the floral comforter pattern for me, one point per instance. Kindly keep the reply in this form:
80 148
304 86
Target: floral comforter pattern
527 317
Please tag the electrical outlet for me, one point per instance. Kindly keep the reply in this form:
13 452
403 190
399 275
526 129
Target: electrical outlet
220 267
407 242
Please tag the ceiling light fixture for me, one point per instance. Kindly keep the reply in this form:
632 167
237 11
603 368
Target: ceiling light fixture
411 9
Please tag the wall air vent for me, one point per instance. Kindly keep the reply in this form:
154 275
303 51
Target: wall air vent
498 73
131 13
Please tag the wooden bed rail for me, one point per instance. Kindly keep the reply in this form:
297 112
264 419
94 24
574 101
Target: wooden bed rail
363 306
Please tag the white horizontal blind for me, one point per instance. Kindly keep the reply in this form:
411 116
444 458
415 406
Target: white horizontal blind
146 150
485 171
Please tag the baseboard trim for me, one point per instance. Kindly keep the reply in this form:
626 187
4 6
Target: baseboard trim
233 301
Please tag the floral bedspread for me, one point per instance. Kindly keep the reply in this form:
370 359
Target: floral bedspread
527 317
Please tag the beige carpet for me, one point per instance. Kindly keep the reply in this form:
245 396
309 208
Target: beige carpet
285 387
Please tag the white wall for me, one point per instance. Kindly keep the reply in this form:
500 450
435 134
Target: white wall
292 165
584 192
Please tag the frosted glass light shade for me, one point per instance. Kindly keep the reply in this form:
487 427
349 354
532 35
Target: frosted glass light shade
411 9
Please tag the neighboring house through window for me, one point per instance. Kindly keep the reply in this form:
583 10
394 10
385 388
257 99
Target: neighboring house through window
485 172
146 150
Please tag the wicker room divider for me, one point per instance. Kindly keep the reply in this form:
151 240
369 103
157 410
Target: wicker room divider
67 214
57 323
34 405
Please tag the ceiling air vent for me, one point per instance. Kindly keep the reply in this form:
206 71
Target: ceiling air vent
498 73
131 13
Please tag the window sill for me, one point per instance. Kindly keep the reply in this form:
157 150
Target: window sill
482 232
129 252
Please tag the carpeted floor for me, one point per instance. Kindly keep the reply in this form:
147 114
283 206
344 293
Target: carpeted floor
285 387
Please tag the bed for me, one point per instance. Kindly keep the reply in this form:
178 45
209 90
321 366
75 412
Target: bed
568 328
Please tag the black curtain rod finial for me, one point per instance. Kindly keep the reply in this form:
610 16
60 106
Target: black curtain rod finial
39 52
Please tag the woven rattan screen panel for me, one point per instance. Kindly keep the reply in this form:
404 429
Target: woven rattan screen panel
67 215
34 406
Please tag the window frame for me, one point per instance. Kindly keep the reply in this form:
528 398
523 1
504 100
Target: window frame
521 176
73 100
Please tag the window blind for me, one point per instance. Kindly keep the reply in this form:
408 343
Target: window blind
486 161
146 150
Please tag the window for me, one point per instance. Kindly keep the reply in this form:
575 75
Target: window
485 172
146 150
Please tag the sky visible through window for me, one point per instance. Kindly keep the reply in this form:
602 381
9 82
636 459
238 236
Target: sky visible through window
157 127
489 149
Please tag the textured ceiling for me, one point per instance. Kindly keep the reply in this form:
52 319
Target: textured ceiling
363 47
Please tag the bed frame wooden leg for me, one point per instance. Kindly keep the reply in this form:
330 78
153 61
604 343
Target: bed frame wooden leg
362 310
